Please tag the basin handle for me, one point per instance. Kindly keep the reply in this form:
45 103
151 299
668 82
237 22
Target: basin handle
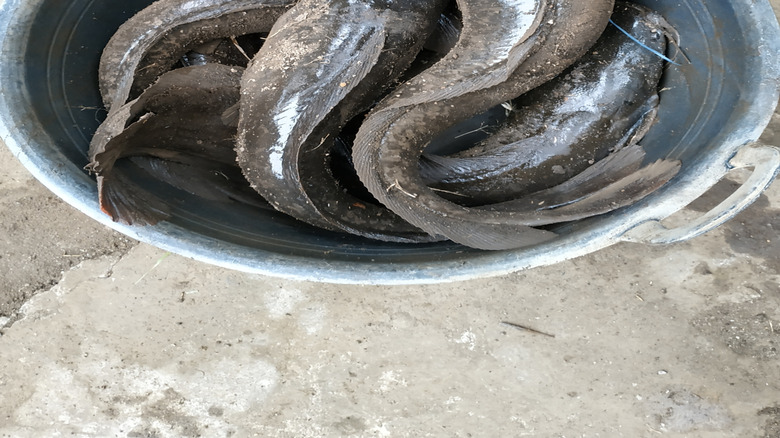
765 161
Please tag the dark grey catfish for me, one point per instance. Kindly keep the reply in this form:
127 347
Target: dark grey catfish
605 101
178 120
391 140
153 40
323 63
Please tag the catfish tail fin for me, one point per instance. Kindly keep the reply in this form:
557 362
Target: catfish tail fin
128 203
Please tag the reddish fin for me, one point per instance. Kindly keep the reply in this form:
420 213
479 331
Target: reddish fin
128 203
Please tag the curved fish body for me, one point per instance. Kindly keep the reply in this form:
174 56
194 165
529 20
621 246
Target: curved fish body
392 139
178 119
180 40
605 101
497 36
170 25
324 63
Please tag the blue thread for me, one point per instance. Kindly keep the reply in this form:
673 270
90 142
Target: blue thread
656 52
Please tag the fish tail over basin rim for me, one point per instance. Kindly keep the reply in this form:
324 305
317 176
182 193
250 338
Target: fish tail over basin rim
723 121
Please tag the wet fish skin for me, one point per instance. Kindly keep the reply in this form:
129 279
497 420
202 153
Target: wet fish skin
560 128
392 139
178 120
439 43
125 51
295 105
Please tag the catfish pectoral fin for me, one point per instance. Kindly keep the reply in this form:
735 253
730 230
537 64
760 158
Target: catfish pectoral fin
623 192
601 174
230 116
128 203
610 184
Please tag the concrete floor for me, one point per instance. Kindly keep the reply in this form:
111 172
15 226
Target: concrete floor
107 337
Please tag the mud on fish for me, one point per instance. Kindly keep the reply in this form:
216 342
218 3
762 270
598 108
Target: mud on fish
477 121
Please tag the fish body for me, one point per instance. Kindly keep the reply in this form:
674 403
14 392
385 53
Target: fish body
496 37
153 40
324 63
143 48
616 181
603 102
198 36
393 137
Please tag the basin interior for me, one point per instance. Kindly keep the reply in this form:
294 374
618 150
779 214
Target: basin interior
61 64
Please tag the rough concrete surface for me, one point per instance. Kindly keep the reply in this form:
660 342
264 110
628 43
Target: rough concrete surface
122 339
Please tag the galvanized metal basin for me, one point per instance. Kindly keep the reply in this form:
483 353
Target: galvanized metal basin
711 114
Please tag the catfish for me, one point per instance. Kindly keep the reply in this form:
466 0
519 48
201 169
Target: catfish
391 140
324 63
606 101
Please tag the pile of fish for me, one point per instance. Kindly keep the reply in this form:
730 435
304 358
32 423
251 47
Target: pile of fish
478 121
